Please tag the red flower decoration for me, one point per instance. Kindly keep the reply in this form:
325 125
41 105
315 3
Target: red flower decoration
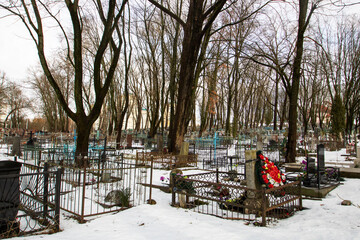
270 175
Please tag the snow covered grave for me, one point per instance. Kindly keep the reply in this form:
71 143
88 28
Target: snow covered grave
236 196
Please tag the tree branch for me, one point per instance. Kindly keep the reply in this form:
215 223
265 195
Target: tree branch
167 11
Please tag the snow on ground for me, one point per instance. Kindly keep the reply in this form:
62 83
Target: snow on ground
325 219
321 219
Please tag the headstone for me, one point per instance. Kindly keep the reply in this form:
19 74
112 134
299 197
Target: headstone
182 199
259 143
160 143
30 142
252 200
321 156
311 164
251 177
357 160
129 141
16 149
184 148
106 176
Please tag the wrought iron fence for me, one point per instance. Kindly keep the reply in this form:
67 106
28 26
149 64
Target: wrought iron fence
101 187
165 161
102 181
29 202
222 195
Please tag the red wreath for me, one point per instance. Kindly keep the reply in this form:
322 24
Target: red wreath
270 174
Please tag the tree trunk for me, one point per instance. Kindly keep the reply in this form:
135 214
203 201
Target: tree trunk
139 115
82 142
276 102
190 50
293 96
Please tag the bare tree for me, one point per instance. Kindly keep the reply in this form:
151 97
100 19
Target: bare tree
56 117
3 89
199 19
32 14
291 59
16 102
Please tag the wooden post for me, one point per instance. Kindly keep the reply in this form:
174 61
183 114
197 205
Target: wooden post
172 185
57 199
151 176
39 158
300 195
263 205
83 197
46 189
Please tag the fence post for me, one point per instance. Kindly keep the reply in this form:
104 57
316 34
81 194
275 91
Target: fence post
263 205
83 197
39 158
46 186
172 185
217 175
57 199
150 201
300 195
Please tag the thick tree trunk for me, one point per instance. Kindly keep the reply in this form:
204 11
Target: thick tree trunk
138 116
191 45
293 98
82 143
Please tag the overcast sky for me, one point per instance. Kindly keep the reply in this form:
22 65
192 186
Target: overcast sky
18 52
16 48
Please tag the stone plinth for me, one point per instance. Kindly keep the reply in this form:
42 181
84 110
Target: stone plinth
184 148
252 180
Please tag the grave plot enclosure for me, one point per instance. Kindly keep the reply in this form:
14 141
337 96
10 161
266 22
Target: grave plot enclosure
107 187
165 161
223 194
29 201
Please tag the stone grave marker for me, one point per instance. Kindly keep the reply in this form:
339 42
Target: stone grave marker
129 141
253 200
252 180
259 143
16 149
160 143
357 160
320 156
184 148
106 176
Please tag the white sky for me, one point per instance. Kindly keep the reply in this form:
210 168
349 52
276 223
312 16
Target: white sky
17 50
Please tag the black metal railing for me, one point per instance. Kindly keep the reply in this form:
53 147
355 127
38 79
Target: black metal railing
37 202
216 194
